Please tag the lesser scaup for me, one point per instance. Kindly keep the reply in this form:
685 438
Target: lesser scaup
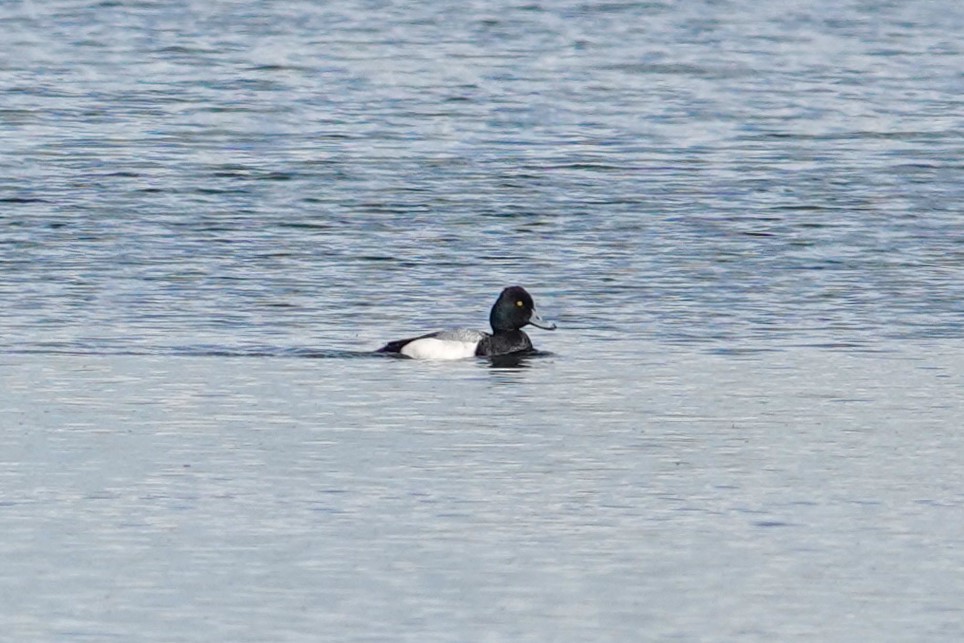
512 310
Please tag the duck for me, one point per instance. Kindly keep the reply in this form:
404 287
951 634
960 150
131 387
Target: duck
513 310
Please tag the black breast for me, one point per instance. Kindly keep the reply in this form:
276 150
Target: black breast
503 343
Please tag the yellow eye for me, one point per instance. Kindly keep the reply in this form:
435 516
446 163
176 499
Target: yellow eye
519 304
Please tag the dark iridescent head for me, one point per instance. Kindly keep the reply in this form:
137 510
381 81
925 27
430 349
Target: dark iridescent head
514 309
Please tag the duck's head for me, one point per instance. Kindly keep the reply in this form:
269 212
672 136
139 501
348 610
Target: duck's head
514 309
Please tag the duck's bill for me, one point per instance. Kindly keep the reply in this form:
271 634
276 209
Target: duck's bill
537 321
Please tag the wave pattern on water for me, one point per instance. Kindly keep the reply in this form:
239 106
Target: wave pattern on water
314 178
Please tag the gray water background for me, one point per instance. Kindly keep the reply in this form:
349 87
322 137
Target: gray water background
745 219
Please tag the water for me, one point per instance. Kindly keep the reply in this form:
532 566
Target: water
746 221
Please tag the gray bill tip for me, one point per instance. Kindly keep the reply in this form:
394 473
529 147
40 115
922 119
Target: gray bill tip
537 321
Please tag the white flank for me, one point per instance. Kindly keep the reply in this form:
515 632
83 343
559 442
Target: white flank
434 348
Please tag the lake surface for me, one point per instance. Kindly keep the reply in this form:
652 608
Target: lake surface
746 221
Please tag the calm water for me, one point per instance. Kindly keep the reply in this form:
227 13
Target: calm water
747 222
